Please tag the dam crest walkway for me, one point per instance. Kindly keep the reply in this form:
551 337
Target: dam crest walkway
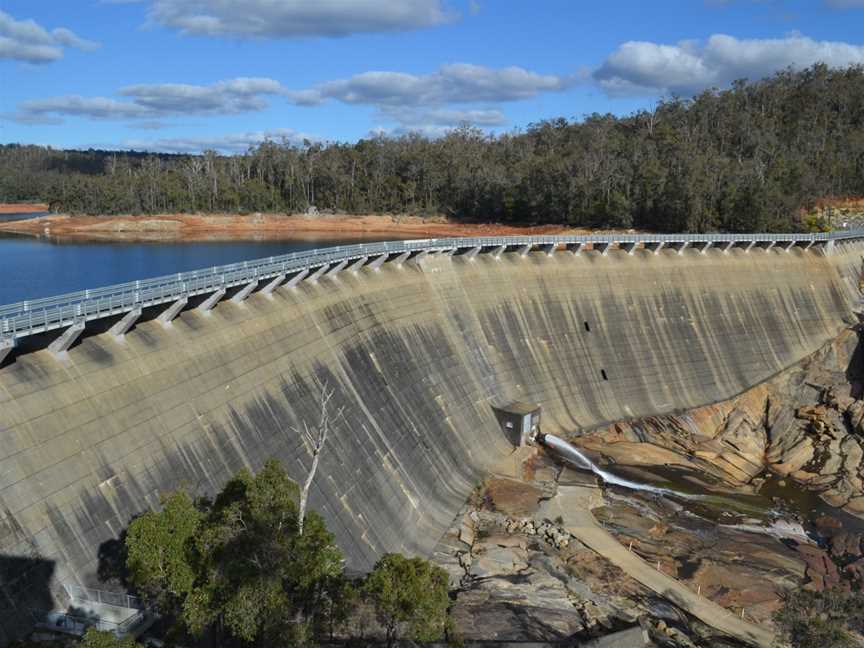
70 313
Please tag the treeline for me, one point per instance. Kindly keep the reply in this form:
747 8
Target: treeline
249 568
748 158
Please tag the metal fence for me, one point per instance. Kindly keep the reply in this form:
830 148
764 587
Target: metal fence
78 624
117 599
76 620
40 315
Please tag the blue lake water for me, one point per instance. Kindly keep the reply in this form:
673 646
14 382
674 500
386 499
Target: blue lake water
31 268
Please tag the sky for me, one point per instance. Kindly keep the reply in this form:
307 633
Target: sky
189 75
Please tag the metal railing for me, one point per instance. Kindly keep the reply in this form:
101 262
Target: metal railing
78 624
31 317
117 599
76 619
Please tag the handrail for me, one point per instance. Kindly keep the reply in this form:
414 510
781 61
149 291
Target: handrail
39 315
105 597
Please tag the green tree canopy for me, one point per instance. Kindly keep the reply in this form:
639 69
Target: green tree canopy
410 597
158 545
238 565
94 638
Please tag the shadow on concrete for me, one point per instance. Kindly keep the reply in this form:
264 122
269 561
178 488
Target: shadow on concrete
25 594
855 368
111 570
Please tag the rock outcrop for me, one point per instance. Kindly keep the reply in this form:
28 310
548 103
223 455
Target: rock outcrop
806 426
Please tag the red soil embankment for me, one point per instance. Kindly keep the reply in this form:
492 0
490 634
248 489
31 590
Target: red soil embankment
198 227
23 208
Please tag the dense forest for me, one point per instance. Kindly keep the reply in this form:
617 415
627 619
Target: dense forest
747 158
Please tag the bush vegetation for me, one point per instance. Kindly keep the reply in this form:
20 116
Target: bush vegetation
748 158
828 619
238 570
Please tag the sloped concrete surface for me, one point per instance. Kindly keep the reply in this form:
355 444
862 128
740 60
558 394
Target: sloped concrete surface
417 354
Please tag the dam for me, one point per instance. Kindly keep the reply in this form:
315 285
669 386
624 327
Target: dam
112 396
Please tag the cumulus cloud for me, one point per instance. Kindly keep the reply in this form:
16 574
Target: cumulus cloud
639 67
455 83
229 144
28 41
149 102
425 102
296 18
411 119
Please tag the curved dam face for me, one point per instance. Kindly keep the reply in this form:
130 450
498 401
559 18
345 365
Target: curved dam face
418 355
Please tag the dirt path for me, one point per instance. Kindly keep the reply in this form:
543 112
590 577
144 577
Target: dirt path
571 505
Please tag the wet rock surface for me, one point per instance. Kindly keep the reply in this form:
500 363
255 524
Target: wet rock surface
737 569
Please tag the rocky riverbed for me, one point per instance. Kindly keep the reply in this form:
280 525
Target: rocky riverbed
770 498
520 575
794 443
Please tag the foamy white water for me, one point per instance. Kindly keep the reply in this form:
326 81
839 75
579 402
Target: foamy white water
571 453
778 528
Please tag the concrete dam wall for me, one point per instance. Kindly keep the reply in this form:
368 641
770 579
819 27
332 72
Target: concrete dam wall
417 354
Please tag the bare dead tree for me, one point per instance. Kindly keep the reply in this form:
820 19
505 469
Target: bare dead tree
315 437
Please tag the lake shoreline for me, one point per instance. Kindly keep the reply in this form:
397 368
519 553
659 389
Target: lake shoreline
23 208
215 227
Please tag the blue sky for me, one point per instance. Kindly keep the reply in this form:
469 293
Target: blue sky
184 75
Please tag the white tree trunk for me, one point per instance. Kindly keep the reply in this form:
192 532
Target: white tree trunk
304 494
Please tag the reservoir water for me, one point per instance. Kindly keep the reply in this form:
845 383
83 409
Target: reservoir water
31 268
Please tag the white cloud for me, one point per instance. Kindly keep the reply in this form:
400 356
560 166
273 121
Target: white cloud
639 67
28 41
224 97
425 102
150 102
414 119
230 144
296 18
455 83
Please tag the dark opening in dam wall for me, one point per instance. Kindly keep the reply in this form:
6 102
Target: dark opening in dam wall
418 355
